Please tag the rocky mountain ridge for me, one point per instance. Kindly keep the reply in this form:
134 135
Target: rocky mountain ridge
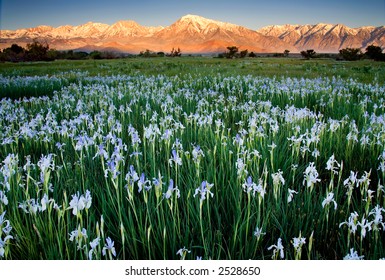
196 34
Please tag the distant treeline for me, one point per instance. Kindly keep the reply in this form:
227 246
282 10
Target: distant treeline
349 54
37 51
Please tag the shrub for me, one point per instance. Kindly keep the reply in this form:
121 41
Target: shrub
351 54
308 54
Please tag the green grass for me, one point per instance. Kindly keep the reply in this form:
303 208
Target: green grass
67 72
279 121
363 71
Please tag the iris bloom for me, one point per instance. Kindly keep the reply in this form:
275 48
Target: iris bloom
101 152
93 245
197 153
204 189
132 176
377 213
109 246
353 255
183 252
45 163
278 248
3 243
349 182
44 202
78 235
4 224
143 183
278 178
291 194
332 165
238 140
175 158
364 224
311 175
329 199
249 185
3 198
171 189
351 222
80 202
258 232
241 167
298 242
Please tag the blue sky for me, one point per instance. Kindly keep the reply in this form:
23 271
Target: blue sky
250 13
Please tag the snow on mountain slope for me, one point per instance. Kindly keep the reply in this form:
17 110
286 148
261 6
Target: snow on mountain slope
193 33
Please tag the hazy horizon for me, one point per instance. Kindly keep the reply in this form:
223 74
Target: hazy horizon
250 14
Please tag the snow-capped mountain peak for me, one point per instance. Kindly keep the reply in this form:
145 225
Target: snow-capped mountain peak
194 33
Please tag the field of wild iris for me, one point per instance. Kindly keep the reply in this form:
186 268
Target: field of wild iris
192 167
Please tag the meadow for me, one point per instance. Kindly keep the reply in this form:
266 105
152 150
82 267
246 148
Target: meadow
192 158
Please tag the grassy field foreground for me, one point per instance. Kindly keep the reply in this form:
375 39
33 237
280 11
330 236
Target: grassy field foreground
192 158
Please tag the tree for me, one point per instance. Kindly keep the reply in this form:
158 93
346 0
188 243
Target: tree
243 53
37 51
351 54
308 54
374 52
286 53
233 50
96 55
252 54
175 53
278 55
16 49
15 53
52 55
147 53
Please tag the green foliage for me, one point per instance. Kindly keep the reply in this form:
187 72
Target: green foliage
351 54
375 53
102 99
233 50
175 53
243 53
16 49
15 53
278 55
37 51
278 131
147 53
308 54
96 55
269 67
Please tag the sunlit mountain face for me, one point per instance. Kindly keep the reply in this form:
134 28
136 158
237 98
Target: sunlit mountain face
196 34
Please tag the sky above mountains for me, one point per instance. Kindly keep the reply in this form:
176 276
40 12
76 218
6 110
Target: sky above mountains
253 14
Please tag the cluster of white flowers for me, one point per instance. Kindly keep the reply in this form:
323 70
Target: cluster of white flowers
8 169
311 176
95 120
80 202
353 255
34 206
5 229
250 187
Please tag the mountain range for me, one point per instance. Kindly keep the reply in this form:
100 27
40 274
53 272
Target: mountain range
196 34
